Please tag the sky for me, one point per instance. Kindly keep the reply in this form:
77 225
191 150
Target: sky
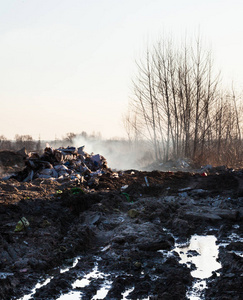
68 65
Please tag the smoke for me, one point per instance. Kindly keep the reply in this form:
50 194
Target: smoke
120 154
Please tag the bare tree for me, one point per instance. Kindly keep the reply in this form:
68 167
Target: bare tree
24 141
178 105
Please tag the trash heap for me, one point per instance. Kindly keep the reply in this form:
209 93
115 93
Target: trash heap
181 164
71 162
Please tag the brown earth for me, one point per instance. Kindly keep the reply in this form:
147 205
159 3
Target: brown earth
119 224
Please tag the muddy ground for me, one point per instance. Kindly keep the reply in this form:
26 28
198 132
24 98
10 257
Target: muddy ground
119 225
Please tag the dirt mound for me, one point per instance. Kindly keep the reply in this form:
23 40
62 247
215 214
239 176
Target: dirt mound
11 161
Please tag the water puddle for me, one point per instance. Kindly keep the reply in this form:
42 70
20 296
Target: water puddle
47 280
37 286
200 255
81 283
74 263
197 290
103 291
203 252
70 296
233 237
127 292
85 281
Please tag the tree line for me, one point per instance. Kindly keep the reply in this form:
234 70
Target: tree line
26 141
180 108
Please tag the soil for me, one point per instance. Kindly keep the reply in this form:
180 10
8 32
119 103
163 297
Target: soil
11 161
119 225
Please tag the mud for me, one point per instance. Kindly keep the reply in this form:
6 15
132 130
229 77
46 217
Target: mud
126 228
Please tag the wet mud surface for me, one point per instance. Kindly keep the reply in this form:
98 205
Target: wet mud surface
123 227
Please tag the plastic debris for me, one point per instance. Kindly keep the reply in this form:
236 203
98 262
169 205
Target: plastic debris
146 180
204 174
124 187
76 190
73 163
127 196
22 224
58 192
133 213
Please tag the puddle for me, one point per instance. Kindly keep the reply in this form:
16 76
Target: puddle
235 237
81 283
205 261
70 296
127 292
46 281
63 270
197 290
199 254
103 291
202 251
37 286
85 281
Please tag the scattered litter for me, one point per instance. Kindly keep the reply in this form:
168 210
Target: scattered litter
22 224
133 213
185 189
146 181
204 174
127 196
124 187
106 248
76 190
59 192
25 270
182 163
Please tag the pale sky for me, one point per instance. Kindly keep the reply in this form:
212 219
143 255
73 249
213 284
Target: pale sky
67 65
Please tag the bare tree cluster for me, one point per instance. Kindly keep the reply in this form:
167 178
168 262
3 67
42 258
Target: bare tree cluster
180 109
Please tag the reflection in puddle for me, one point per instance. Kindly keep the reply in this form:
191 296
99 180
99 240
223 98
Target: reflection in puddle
70 296
85 281
103 291
205 262
197 290
239 253
202 251
73 265
81 283
38 285
235 237
127 292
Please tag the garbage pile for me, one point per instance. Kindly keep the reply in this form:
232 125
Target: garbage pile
71 162
181 164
